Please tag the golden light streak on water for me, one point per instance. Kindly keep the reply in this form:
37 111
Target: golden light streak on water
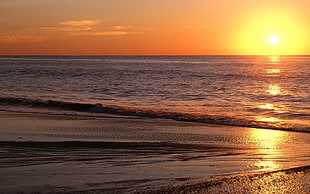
272 107
269 144
274 59
268 106
274 89
267 119
273 72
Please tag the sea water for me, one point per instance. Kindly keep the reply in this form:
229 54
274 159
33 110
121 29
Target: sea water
253 91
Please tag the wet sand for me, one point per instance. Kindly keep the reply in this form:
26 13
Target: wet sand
295 180
71 154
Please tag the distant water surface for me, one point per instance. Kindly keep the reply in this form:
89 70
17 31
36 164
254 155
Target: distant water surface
257 91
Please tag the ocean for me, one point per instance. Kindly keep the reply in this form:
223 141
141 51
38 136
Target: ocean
252 91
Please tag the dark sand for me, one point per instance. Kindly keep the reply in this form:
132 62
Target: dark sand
73 154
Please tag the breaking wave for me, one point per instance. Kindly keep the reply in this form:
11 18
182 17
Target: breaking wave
98 109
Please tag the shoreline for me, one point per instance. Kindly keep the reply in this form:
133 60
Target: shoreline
72 154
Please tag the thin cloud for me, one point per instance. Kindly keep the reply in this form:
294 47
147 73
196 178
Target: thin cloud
80 23
121 27
89 28
74 29
101 33
71 26
21 38
66 28
74 26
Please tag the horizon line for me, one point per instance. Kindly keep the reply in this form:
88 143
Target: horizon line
26 55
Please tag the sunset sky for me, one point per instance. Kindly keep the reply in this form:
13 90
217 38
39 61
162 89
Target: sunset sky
154 27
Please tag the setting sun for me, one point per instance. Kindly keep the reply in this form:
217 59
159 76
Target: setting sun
274 39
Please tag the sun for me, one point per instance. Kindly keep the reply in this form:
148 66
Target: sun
273 39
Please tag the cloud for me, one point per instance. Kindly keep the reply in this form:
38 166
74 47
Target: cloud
72 26
21 38
66 28
89 28
120 27
79 23
101 33
86 28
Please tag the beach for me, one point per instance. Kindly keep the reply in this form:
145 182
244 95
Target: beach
52 153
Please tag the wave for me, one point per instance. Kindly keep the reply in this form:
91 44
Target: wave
104 110
173 147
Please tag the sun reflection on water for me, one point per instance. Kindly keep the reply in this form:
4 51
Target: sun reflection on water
273 72
269 142
272 107
273 59
269 146
274 89
267 119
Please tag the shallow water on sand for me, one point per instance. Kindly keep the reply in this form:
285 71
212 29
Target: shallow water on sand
67 153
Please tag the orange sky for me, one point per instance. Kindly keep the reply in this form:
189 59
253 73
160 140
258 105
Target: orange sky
143 27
